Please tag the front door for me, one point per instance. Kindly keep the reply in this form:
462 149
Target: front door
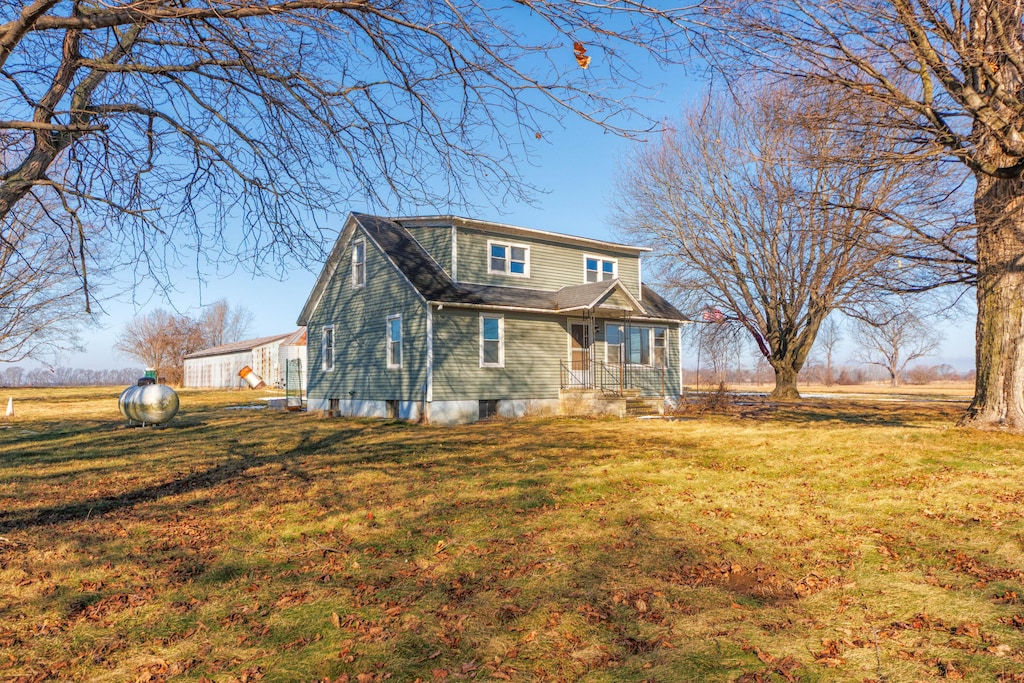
580 358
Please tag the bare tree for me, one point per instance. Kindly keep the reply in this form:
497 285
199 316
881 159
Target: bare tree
232 129
830 334
747 209
41 286
945 79
222 323
13 375
719 346
893 339
161 340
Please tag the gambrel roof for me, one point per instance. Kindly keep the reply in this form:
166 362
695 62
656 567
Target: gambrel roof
432 283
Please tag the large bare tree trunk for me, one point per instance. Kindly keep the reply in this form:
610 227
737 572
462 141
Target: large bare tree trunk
785 382
999 386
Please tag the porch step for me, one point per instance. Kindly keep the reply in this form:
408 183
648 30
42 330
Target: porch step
641 407
596 402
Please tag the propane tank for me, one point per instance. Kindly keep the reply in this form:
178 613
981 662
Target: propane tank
251 378
149 403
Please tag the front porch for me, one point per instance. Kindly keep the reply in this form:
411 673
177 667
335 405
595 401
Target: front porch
584 372
618 389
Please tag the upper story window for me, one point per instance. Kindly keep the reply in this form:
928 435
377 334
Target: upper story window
597 269
358 263
492 341
395 340
508 259
327 348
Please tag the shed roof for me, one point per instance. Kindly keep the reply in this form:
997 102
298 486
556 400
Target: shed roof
296 338
435 285
237 347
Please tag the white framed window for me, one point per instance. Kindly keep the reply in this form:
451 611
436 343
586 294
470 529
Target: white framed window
327 348
598 269
636 345
359 263
395 341
660 347
492 341
613 343
508 259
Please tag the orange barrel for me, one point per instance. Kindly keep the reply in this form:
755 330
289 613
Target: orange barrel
251 378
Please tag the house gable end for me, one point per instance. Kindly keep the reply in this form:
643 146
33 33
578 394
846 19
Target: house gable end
356 225
327 272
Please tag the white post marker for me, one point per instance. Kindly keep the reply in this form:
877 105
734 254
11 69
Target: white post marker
10 407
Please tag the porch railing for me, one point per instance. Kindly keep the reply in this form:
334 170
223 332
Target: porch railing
613 378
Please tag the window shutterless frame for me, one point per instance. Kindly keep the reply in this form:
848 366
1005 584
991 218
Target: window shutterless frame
492 341
599 268
636 345
504 258
394 341
327 348
358 263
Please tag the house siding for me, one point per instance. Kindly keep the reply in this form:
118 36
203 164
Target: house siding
534 345
359 317
552 265
437 241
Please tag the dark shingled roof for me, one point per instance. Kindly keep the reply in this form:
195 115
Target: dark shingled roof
434 284
657 307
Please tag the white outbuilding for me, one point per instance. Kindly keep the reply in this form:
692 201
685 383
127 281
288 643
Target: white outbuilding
217 367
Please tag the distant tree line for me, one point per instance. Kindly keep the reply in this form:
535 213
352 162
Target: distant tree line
815 372
15 376
888 346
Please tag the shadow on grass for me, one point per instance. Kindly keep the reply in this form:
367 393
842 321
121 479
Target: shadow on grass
234 468
384 447
882 413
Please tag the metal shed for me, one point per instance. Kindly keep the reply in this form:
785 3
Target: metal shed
217 367
293 349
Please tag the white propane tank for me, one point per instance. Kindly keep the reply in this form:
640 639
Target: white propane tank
148 404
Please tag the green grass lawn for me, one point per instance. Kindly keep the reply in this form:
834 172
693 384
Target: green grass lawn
821 542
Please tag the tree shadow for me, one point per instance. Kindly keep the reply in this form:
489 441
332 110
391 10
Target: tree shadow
234 468
909 412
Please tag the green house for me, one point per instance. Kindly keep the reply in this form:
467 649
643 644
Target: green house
449 320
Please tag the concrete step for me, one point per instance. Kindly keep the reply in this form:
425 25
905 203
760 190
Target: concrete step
639 407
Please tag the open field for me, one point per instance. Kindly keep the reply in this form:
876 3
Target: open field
828 541
957 391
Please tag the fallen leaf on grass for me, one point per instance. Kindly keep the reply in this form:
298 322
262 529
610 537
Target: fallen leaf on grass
1016 621
831 654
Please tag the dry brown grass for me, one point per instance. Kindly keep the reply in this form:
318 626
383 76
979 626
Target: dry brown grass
828 541
952 390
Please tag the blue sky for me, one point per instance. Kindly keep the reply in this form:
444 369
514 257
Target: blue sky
576 168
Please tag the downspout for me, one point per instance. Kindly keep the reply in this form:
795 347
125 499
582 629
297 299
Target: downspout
679 334
428 385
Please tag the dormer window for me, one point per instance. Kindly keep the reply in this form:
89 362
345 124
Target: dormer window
508 259
598 269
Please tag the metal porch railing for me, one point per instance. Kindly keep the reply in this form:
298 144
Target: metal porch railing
613 378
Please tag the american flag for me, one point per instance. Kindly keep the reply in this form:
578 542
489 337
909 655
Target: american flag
713 315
